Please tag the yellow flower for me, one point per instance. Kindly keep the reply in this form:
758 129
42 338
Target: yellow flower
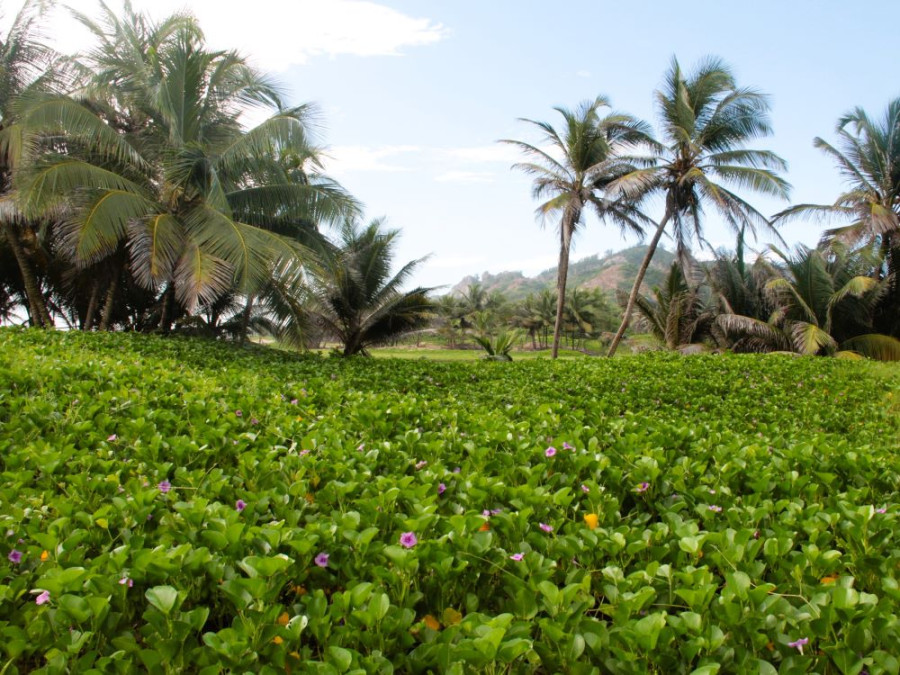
277 639
592 520
431 622
283 619
45 556
830 579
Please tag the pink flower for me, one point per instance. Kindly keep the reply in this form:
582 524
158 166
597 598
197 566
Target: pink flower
566 446
517 556
15 557
322 560
881 510
43 598
240 505
549 452
408 539
164 486
111 438
545 527
125 581
442 489
798 644
715 508
420 465
293 401
238 413
254 421
643 487
303 452
585 488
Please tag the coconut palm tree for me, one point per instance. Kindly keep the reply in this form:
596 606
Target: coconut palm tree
706 121
353 296
572 167
157 174
823 305
868 158
27 66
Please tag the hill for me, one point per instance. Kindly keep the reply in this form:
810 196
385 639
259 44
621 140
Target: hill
610 272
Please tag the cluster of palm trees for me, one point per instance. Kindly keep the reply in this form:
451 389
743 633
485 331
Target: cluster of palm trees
134 197
612 164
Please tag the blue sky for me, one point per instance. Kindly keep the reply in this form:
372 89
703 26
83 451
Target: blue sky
415 93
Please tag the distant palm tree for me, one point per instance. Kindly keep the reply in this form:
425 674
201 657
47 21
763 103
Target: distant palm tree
868 158
572 169
706 120
353 296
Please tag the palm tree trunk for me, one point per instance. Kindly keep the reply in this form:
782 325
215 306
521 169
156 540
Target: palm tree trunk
632 297
93 303
562 273
245 318
110 302
37 306
165 319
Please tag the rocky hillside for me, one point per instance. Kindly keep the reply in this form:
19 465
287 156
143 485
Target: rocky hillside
609 272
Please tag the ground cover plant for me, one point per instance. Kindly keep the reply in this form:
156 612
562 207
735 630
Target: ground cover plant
172 505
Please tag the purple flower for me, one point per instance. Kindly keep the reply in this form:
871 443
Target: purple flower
254 421
293 401
883 509
420 465
549 452
442 489
360 447
798 644
303 452
643 487
457 470
15 557
238 413
517 556
111 438
240 505
566 446
585 488
125 581
42 598
715 508
321 560
164 486
496 512
408 539
486 513
545 527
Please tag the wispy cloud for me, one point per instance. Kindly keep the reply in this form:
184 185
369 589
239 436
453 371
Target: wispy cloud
344 158
277 34
465 177
499 152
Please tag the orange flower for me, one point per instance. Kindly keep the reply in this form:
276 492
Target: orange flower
829 579
309 497
45 556
484 527
592 520
277 639
283 619
431 622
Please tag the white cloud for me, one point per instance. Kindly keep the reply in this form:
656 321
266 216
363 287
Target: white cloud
465 177
274 34
529 265
344 158
499 152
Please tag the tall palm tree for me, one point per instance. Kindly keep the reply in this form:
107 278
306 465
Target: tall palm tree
706 121
868 158
573 167
354 297
156 171
27 66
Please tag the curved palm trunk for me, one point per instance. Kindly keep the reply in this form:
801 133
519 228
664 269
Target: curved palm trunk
93 303
562 274
37 306
632 297
110 302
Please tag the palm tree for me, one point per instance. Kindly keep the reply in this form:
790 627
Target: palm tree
354 298
158 175
706 120
868 158
572 175
27 67
823 305
676 315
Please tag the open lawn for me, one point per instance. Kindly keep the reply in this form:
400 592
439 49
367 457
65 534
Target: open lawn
175 505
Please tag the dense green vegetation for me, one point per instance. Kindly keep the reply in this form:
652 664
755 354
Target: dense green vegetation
174 504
